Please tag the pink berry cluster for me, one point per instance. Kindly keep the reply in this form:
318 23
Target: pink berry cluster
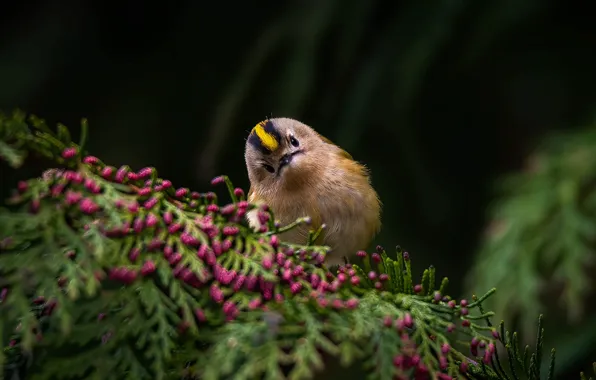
192 238
410 364
377 273
193 245
408 360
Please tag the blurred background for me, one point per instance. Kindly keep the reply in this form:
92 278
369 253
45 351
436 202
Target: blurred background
477 120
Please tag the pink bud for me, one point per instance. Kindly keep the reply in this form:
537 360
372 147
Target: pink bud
445 348
144 173
90 160
133 207
129 276
72 197
148 268
274 241
200 315
254 303
217 248
77 177
228 209
296 287
399 324
121 174
263 217
3 294
34 207
155 244
150 203
175 259
202 251
181 192
137 225
217 180
144 191
443 363
227 244
172 229
230 230
87 206
487 356
107 172
151 220
22 186
57 189
463 367
134 254
69 153
298 270
408 321
168 251
387 321
267 262
216 294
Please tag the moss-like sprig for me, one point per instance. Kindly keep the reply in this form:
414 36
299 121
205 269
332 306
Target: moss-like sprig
107 270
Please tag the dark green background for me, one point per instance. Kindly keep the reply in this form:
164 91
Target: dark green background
438 98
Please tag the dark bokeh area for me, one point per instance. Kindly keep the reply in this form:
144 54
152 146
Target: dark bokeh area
437 100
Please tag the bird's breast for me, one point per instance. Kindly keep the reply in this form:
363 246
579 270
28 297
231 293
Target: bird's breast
350 215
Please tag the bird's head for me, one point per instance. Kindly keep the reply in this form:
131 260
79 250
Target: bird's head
285 153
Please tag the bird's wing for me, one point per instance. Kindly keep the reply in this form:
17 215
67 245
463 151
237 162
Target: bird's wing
251 193
342 152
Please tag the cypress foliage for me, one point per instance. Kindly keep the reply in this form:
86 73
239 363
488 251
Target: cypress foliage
110 272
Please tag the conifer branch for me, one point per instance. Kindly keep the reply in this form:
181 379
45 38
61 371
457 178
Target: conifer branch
117 271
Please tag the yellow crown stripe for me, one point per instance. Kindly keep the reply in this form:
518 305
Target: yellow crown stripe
267 139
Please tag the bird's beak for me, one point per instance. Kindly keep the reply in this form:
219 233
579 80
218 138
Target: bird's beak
285 160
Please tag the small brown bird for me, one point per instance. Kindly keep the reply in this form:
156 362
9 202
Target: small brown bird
299 173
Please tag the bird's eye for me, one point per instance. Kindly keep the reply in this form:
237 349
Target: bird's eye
269 168
293 141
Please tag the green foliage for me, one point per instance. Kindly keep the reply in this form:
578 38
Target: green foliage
539 247
583 376
113 271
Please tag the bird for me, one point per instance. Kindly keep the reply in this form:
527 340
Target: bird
298 173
